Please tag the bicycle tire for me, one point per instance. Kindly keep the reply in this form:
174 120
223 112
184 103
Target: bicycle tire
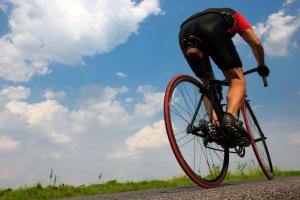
216 172
258 140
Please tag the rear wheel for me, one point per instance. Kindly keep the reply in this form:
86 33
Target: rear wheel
206 163
258 141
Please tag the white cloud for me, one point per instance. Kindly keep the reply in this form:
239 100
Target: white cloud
16 93
294 138
37 113
149 137
52 155
298 92
49 94
288 2
153 101
98 109
277 32
238 40
99 122
129 100
99 105
120 74
47 117
64 31
60 138
97 92
56 155
8 144
3 6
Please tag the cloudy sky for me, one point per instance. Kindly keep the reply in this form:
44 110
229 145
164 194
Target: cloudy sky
82 84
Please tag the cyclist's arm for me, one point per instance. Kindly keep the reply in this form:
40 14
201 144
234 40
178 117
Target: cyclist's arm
257 48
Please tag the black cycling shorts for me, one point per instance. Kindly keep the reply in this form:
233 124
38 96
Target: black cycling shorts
217 43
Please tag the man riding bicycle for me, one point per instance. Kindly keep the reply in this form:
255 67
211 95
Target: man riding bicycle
209 34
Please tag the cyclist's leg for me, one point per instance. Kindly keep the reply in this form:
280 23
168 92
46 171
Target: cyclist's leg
194 60
193 55
198 61
224 54
235 96
237 89
197 67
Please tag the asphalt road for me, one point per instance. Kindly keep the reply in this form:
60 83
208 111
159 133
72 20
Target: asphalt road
280 188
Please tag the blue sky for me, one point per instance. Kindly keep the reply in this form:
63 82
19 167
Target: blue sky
82 85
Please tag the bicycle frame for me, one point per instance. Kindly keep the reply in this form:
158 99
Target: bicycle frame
212 89
197 150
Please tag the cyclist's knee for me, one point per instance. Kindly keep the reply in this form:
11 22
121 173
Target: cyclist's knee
235 74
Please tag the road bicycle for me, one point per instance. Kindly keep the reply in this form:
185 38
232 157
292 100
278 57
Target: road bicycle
189 106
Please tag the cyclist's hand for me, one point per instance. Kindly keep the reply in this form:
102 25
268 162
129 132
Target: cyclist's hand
263 70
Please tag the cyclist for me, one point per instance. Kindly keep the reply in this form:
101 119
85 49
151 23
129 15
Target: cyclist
209 34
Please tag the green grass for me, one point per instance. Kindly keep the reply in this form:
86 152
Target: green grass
112 186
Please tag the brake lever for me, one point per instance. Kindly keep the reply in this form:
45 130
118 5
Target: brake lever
264 78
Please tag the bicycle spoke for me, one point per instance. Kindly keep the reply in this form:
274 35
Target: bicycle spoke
200 155
182 137
182 108
181 132
187 105
217 154
194 153
184 102
212 161
196 93
185 143
206 158
194 102
179 115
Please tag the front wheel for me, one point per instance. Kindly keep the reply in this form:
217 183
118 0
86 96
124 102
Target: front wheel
206 163
258 141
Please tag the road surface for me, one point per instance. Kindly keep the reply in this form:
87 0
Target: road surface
284 188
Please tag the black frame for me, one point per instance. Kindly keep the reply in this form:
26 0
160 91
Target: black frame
213 90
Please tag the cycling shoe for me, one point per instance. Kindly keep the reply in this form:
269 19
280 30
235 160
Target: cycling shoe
235 130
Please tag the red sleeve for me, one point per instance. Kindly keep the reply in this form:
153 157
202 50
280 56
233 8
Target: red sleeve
242 23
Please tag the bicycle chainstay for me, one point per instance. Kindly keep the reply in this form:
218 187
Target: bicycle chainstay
218 136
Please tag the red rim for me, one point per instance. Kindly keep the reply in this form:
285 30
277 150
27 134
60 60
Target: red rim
257 155
174 146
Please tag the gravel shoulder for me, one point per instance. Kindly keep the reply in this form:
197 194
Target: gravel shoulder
284 188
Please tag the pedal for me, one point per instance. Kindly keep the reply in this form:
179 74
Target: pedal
240 151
